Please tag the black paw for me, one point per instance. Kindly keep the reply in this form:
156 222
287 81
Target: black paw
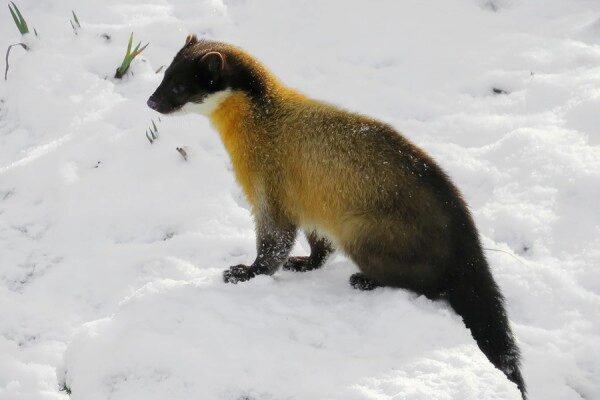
240 273
300 264
361 282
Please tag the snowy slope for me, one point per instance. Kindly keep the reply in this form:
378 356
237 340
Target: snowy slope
111 249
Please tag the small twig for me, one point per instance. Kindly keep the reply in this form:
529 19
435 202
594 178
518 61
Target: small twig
73 26
76 19
183 153
23 45
159 69
152 132
65 388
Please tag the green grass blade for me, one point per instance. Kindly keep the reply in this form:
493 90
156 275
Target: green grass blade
137 52
14 17
18 22
133 53
129 57
17 10
21 24
129 45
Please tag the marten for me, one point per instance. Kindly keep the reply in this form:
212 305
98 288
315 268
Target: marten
349 181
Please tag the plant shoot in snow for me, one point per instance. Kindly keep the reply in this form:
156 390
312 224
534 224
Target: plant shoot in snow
129 56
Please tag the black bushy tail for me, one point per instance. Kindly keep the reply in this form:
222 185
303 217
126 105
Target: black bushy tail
474 295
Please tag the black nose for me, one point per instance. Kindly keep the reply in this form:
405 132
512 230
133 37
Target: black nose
152 104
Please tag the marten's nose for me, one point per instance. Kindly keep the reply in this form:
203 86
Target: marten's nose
152 104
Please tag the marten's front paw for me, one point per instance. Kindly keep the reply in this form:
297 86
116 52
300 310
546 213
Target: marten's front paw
299 264
361 282
240 273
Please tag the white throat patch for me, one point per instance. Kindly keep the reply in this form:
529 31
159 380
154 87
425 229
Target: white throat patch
208 106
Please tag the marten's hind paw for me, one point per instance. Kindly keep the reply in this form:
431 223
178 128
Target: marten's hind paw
239 273
361 282
300 264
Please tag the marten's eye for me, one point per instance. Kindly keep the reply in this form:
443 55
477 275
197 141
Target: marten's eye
178 89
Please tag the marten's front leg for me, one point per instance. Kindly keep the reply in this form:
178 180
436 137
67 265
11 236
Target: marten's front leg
320 249
274 240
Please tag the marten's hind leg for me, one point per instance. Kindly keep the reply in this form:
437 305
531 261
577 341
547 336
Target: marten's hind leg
320 249
389 263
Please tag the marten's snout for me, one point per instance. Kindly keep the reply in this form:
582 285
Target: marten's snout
153 104
160 104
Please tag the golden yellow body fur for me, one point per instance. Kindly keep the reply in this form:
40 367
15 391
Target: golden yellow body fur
321 178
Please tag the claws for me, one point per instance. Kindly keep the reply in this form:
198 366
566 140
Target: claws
361 282
299 264
240 273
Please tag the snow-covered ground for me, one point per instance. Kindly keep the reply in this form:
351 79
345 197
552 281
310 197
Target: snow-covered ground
111 249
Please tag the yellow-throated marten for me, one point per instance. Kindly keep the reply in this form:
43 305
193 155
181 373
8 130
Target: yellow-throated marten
348 181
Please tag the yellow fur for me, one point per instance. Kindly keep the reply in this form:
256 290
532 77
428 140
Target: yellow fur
309 195
320 167
230 121
245 142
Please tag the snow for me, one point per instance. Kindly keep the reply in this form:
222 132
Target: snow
111 249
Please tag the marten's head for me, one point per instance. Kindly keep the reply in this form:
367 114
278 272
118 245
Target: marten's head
203 74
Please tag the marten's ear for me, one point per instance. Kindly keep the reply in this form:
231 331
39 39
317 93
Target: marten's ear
191 39
215 63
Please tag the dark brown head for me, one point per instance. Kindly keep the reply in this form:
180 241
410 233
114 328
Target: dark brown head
201 75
